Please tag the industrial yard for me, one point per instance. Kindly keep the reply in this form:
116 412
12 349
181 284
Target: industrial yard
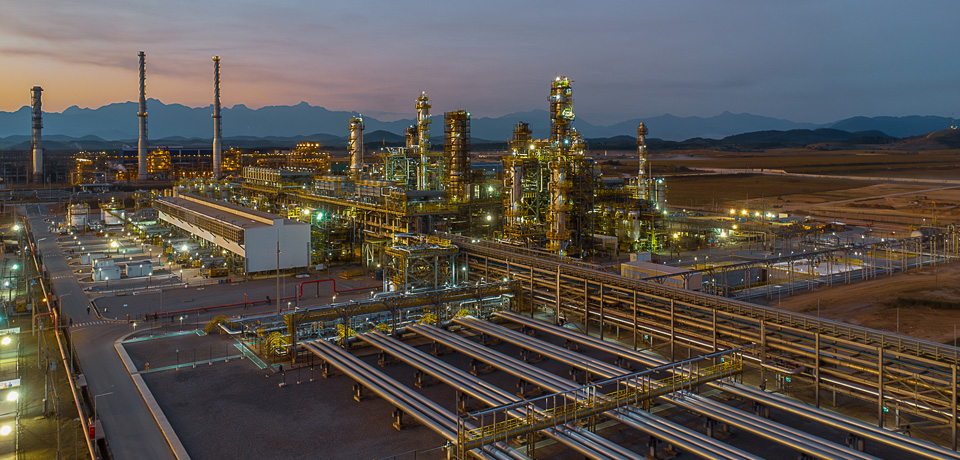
427 301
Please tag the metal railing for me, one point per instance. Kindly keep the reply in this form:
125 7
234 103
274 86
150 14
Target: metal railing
500 424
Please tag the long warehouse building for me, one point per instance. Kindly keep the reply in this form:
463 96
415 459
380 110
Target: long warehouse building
256 236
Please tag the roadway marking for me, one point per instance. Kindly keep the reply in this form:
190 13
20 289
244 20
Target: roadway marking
92 323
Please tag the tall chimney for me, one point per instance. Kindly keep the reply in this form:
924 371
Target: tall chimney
142 145
35 141
217 134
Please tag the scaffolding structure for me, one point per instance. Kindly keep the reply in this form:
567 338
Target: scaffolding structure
310 155
456 149
431 163
424 265
549 185
158 163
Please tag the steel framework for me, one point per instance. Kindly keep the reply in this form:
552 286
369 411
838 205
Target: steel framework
898 373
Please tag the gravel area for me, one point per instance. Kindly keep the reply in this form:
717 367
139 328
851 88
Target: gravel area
235 410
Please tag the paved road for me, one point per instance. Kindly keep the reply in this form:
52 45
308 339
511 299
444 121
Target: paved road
128 425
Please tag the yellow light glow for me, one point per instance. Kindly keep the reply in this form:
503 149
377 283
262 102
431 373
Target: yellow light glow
5 430
5 341
12 396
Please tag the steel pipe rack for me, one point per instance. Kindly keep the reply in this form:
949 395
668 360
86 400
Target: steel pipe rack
689 440
585 442
802 442
855 427
890 370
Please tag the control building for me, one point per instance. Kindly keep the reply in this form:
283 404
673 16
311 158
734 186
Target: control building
265 242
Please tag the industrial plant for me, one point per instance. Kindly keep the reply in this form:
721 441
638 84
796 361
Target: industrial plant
639 325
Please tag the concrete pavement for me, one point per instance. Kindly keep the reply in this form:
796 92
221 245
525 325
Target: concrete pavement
128 425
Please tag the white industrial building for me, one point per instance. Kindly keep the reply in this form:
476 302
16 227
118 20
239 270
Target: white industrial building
139 269
106 273
251 234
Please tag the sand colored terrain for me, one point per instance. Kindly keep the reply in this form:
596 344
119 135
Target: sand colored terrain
928 300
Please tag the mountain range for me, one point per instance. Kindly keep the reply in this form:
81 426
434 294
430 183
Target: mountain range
114 122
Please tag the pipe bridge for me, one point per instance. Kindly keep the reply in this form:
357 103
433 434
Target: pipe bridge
896 373
556 409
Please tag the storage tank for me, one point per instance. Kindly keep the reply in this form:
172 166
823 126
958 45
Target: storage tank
79 215
111 213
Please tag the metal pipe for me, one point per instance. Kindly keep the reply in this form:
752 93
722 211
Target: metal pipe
588 444
649 423
417 406
384 386
689 440
764 428
831 419
749 422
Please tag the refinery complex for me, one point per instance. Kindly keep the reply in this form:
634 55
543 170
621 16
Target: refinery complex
515 305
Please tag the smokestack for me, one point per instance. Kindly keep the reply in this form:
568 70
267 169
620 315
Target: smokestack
142 145
217 140
35 141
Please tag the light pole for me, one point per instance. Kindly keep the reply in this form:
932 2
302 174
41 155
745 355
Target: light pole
278 273
95 404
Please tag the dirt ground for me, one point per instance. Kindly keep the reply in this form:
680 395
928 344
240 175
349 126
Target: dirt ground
928 301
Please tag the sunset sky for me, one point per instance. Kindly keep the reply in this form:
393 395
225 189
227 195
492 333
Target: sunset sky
814 61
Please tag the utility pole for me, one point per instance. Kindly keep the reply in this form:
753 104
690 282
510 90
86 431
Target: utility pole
278 273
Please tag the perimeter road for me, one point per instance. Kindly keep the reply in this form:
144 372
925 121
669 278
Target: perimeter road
129 427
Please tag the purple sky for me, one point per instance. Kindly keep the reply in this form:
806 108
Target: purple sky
811 60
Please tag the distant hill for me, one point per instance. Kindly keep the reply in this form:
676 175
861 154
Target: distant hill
802 137
894 126
943 139
820 139
114 122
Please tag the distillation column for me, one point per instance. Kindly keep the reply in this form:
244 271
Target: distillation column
561 111
35 142
513 180
411 137
355 145
217 133
142 144
456 147
423 136
558 235
643 176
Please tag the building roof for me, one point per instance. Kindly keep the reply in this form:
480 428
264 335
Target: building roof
222 211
